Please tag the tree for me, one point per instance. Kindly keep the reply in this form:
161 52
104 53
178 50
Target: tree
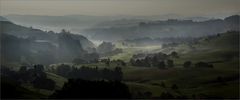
39 71
63 70
63 31
161 65
138 62
142 24
108 62
147 61
170 63
174 54
123 63
38 68
132 62
187 64
118 73
174 87
105 47
155 61
23 69
163 84
203 65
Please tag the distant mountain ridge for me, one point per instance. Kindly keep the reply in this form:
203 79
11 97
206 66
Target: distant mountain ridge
168 28
112 28
75 23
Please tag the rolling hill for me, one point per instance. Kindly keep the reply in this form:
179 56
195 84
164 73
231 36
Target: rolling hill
28 45
168 28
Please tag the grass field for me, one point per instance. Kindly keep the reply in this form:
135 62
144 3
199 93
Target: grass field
223 50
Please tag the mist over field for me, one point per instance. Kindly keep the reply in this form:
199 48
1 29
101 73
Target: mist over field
109 49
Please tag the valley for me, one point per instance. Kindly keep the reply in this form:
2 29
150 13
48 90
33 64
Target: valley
46 64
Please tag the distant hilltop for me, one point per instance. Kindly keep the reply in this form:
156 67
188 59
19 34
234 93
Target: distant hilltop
3 19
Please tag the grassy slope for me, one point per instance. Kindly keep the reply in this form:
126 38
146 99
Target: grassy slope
59 80
194 81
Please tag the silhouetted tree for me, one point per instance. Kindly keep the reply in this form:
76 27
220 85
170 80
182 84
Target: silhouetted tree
118 73
38 68
132 62
30 74
174 87
23 69
63 70
108 62
89 73
174 54
170 63
163 84
187 64
203 65
161 65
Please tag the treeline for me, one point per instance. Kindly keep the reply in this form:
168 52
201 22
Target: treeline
109 62
188 64
159 60
88 73
33 75
176 28
79 85
78 88
163 61
166 41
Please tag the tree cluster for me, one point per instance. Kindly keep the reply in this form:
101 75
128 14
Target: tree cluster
203 65
159 60
89 73
34 75
118 62
188 64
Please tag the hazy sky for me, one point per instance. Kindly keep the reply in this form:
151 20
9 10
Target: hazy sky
119 7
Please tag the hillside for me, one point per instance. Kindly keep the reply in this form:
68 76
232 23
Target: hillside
168 28
3 19
75 23
28 45
25 32
221 81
